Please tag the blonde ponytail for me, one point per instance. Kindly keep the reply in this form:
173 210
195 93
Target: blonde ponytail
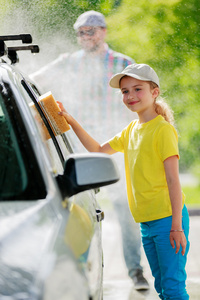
162 108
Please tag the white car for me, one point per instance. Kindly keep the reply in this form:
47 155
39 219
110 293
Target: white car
50 220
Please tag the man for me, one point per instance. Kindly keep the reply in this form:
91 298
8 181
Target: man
80 81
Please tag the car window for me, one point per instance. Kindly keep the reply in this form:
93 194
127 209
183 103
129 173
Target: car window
62 141
20 177
13 178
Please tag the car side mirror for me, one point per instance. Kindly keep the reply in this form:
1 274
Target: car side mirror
87 171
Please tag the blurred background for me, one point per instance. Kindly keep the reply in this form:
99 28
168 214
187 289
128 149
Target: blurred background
164 34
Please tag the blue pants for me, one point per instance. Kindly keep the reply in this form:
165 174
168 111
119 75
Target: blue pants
167 268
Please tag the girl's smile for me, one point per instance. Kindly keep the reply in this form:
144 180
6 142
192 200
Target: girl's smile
132 102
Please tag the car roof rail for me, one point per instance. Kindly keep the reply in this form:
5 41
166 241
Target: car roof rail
25 38
11 52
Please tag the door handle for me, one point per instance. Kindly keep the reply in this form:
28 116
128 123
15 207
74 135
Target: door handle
99 215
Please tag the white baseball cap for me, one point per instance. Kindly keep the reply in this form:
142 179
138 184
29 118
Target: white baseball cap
90 18
139 71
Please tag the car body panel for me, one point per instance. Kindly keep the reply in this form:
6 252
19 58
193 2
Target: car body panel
50 246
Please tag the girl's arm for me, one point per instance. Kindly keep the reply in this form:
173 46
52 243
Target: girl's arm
175 193
88 142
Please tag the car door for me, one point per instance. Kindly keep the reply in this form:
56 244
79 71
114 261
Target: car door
83 230
37 260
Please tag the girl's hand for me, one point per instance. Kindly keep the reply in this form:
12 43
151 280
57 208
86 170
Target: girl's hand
61 106
64 113
88 142
180 240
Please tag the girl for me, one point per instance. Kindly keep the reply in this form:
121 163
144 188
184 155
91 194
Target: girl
150 147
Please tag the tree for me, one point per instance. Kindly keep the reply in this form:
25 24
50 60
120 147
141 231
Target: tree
50 23
165 34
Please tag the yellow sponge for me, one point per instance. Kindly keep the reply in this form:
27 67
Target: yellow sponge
50 108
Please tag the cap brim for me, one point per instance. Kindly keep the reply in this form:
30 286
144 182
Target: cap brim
114 81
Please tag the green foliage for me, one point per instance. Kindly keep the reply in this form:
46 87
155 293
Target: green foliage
49 21
54 15
165 34
192 195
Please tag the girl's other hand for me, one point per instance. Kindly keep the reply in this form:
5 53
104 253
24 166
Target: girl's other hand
179 239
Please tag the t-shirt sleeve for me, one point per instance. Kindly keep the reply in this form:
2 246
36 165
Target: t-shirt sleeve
117 142
168 142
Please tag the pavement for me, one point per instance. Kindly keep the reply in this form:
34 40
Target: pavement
117 284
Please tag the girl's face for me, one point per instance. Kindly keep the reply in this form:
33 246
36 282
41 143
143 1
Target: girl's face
138 96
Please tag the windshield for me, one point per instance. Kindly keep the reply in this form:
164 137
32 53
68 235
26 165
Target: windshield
20 177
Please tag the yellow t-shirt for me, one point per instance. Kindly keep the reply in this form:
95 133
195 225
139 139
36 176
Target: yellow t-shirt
145 147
